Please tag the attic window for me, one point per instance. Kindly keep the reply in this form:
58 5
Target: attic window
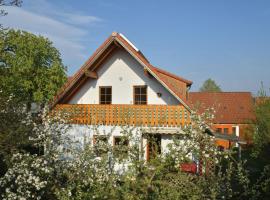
105 95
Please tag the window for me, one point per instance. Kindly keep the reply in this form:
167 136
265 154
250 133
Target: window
140 95
120 141
226 130
105 95
100 144
219 130
120 144
234 130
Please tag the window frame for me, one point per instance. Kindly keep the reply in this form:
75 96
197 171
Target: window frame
105 87
134 94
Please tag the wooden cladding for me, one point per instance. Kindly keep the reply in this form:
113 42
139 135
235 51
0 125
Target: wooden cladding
134 115
91 74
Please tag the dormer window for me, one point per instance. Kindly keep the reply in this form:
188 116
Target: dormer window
105 95
140 95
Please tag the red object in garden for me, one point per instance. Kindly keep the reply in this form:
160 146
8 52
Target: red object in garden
189 167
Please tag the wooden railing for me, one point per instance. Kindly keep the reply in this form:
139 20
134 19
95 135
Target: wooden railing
135 115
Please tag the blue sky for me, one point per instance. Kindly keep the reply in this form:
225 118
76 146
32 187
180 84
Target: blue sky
227 40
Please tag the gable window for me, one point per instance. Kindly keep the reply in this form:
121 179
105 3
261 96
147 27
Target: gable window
105 95
140 95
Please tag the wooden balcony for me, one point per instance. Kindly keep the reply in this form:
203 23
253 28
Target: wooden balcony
134 115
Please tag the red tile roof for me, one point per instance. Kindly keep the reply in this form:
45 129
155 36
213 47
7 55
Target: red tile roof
177 84
170 81
230 107
173 76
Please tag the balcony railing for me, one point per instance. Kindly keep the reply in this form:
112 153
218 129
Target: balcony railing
135 115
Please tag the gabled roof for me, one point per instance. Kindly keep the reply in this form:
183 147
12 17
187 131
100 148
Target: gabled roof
230 107
170 81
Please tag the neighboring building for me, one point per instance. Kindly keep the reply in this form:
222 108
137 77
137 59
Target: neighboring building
118 86
234 112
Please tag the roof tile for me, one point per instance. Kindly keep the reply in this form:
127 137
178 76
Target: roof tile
230 107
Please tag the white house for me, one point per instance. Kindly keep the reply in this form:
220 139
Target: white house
117 86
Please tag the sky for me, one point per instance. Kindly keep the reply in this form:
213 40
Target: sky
226 40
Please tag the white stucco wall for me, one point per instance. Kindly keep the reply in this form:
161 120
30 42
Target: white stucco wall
122 72
84 135
165 141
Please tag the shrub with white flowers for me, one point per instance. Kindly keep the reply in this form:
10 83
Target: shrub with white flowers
35 176
100 171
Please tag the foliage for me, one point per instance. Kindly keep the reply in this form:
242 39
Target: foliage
34 176
30 67
14 131
261 136
30 71
210 86
68 172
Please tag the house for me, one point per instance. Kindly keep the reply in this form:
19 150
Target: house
118 86
234 112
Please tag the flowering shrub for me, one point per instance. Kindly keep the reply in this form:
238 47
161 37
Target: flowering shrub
28 178
33 176
65 171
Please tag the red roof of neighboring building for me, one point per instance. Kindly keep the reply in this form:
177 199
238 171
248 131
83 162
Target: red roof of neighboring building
168 80
230 107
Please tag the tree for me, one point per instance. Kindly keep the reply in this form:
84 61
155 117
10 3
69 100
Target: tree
14 132
31 71
30 67
210 86
8 3
261 134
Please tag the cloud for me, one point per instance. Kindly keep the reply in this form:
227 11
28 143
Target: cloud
65 14
64 29
77 19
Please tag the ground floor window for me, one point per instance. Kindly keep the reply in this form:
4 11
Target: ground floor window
120 146
100 143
